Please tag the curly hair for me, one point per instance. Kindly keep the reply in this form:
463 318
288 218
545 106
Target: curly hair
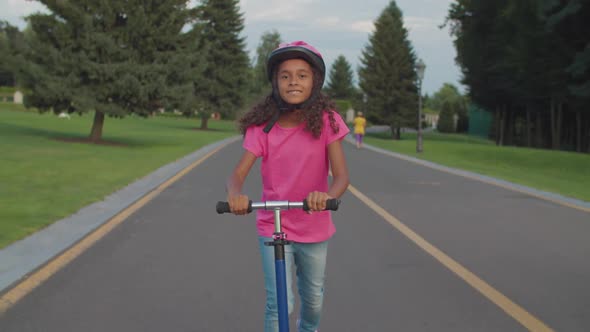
264 110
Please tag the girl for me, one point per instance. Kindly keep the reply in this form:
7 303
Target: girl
359 129
298 135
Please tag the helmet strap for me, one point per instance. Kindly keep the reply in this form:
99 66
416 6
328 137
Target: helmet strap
283 107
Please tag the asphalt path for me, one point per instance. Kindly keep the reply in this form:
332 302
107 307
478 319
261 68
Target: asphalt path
416 249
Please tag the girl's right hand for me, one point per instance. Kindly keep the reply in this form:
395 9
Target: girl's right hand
238 204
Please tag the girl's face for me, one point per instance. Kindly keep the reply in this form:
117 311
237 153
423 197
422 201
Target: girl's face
295 80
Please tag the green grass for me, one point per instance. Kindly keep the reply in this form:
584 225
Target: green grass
44 179
564 173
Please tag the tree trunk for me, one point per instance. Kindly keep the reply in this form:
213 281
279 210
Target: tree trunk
97 124
501 126
497 116
528 126
204 121
578 131
556 115
559 124
539 130
510 127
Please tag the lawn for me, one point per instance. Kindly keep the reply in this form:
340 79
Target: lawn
44 178
560 172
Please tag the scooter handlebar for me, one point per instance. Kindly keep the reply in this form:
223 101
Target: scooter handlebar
331 204
223 207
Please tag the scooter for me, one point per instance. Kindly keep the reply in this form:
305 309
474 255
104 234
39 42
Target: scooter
279 242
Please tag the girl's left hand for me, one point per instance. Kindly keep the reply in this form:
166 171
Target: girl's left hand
316 201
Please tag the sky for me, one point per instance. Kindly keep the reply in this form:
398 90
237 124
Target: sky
334 27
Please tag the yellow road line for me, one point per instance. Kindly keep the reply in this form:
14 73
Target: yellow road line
41 275
514 310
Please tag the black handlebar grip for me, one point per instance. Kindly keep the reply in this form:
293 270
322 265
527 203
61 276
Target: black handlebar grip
223 207
331 204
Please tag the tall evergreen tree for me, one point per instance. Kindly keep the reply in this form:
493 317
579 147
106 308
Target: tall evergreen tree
340 85
223 86
109 57
569 22
387 76
268 42
9 36
482 39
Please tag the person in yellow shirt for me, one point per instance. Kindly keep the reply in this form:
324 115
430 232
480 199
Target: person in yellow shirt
359 129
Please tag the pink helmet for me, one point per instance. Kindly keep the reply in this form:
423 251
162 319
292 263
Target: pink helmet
296 50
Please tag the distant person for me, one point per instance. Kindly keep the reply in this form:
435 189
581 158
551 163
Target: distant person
298 136
359 129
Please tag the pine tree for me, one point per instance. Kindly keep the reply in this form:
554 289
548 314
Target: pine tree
268 42
387 76
109 57
9 37
446 119
224 84
339 85
568 21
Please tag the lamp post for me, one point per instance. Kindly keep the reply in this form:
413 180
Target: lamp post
420 67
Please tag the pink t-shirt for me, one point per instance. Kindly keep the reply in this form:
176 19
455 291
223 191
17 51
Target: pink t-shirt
294 163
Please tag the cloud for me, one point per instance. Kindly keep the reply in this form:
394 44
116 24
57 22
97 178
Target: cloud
329 21
334 23
362 26
276 11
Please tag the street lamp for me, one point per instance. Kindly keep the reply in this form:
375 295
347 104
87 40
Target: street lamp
420 67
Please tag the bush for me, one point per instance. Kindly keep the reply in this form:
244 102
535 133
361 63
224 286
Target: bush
446 120
342 105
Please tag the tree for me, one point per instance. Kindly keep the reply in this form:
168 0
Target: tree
11 40
568 21
223 86
447 91
110 57
446 119
481 46
527 61
450 93
268 42
387 77
339 85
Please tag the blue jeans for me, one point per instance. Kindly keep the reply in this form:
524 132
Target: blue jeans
310 262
